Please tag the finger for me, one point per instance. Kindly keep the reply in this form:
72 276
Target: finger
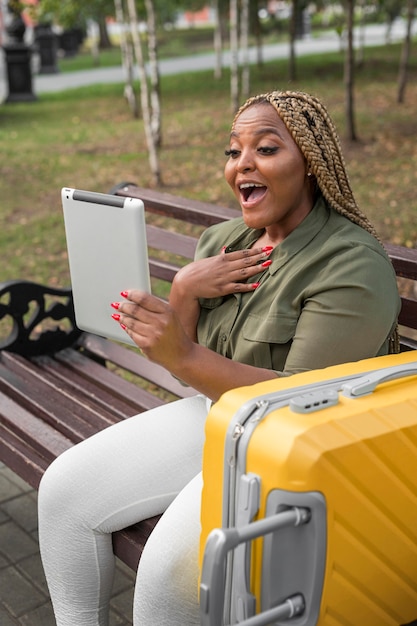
249 255
134 336
137 329
245 287
256 250
143 300
246 271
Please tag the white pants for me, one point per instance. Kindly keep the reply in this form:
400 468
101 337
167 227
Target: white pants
126 473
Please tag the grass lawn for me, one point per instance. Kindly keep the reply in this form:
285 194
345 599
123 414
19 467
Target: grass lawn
87 138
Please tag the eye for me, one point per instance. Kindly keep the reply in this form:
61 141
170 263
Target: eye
267 150
232 153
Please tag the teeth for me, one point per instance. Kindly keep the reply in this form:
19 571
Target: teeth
249 185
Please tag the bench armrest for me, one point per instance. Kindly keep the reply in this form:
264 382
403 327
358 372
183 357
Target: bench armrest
36 319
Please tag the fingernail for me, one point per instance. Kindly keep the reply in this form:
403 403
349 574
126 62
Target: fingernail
115 305
266 263
255 285
267 248
115 316
123 326
124 294
223 249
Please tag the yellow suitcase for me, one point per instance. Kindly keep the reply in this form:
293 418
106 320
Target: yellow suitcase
309 506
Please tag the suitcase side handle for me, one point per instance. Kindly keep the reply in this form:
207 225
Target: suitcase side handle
219 542
367 384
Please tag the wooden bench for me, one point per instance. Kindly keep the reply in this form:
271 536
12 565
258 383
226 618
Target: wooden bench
59 385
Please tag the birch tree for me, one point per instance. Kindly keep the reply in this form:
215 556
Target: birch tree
145 97
244 47
155 93
127 58
239 51
234 55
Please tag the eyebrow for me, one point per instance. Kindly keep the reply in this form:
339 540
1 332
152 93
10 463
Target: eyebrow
262 131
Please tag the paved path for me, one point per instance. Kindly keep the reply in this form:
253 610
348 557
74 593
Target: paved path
24 599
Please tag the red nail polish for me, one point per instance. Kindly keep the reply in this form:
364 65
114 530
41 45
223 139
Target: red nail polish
115 316
266 263
123 326
255 285
115 305
124 294
267 248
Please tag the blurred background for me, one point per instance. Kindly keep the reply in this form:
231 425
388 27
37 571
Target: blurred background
80 80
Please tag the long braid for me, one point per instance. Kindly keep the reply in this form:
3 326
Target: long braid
314 132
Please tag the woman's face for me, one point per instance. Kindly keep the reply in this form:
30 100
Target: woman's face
267 172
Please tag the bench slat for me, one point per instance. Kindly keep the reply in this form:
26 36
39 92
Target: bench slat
404 260
24 425
131 361
21 458
72 416
173 242
408 315
63 369
190 211
110 384
164 270
129 543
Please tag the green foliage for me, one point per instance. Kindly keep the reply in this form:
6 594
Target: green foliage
69 13
16 6
391 9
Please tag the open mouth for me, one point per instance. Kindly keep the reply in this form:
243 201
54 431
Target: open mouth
251 191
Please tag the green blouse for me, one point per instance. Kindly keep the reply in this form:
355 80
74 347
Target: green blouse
330 296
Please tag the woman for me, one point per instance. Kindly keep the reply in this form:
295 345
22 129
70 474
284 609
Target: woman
299 282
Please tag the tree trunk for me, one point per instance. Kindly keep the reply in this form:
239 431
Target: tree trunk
258 33
217 40
144 95
155 96
292 72
127 59
234 60
244 46
349 72
94 38
104 39
360 54
405 54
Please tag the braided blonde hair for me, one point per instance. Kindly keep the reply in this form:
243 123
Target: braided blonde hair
314 132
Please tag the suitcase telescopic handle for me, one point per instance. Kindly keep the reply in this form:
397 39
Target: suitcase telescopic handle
213 576
367 384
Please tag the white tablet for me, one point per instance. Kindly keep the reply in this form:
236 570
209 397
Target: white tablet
107 254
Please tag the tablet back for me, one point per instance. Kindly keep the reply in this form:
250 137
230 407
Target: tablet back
107 254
